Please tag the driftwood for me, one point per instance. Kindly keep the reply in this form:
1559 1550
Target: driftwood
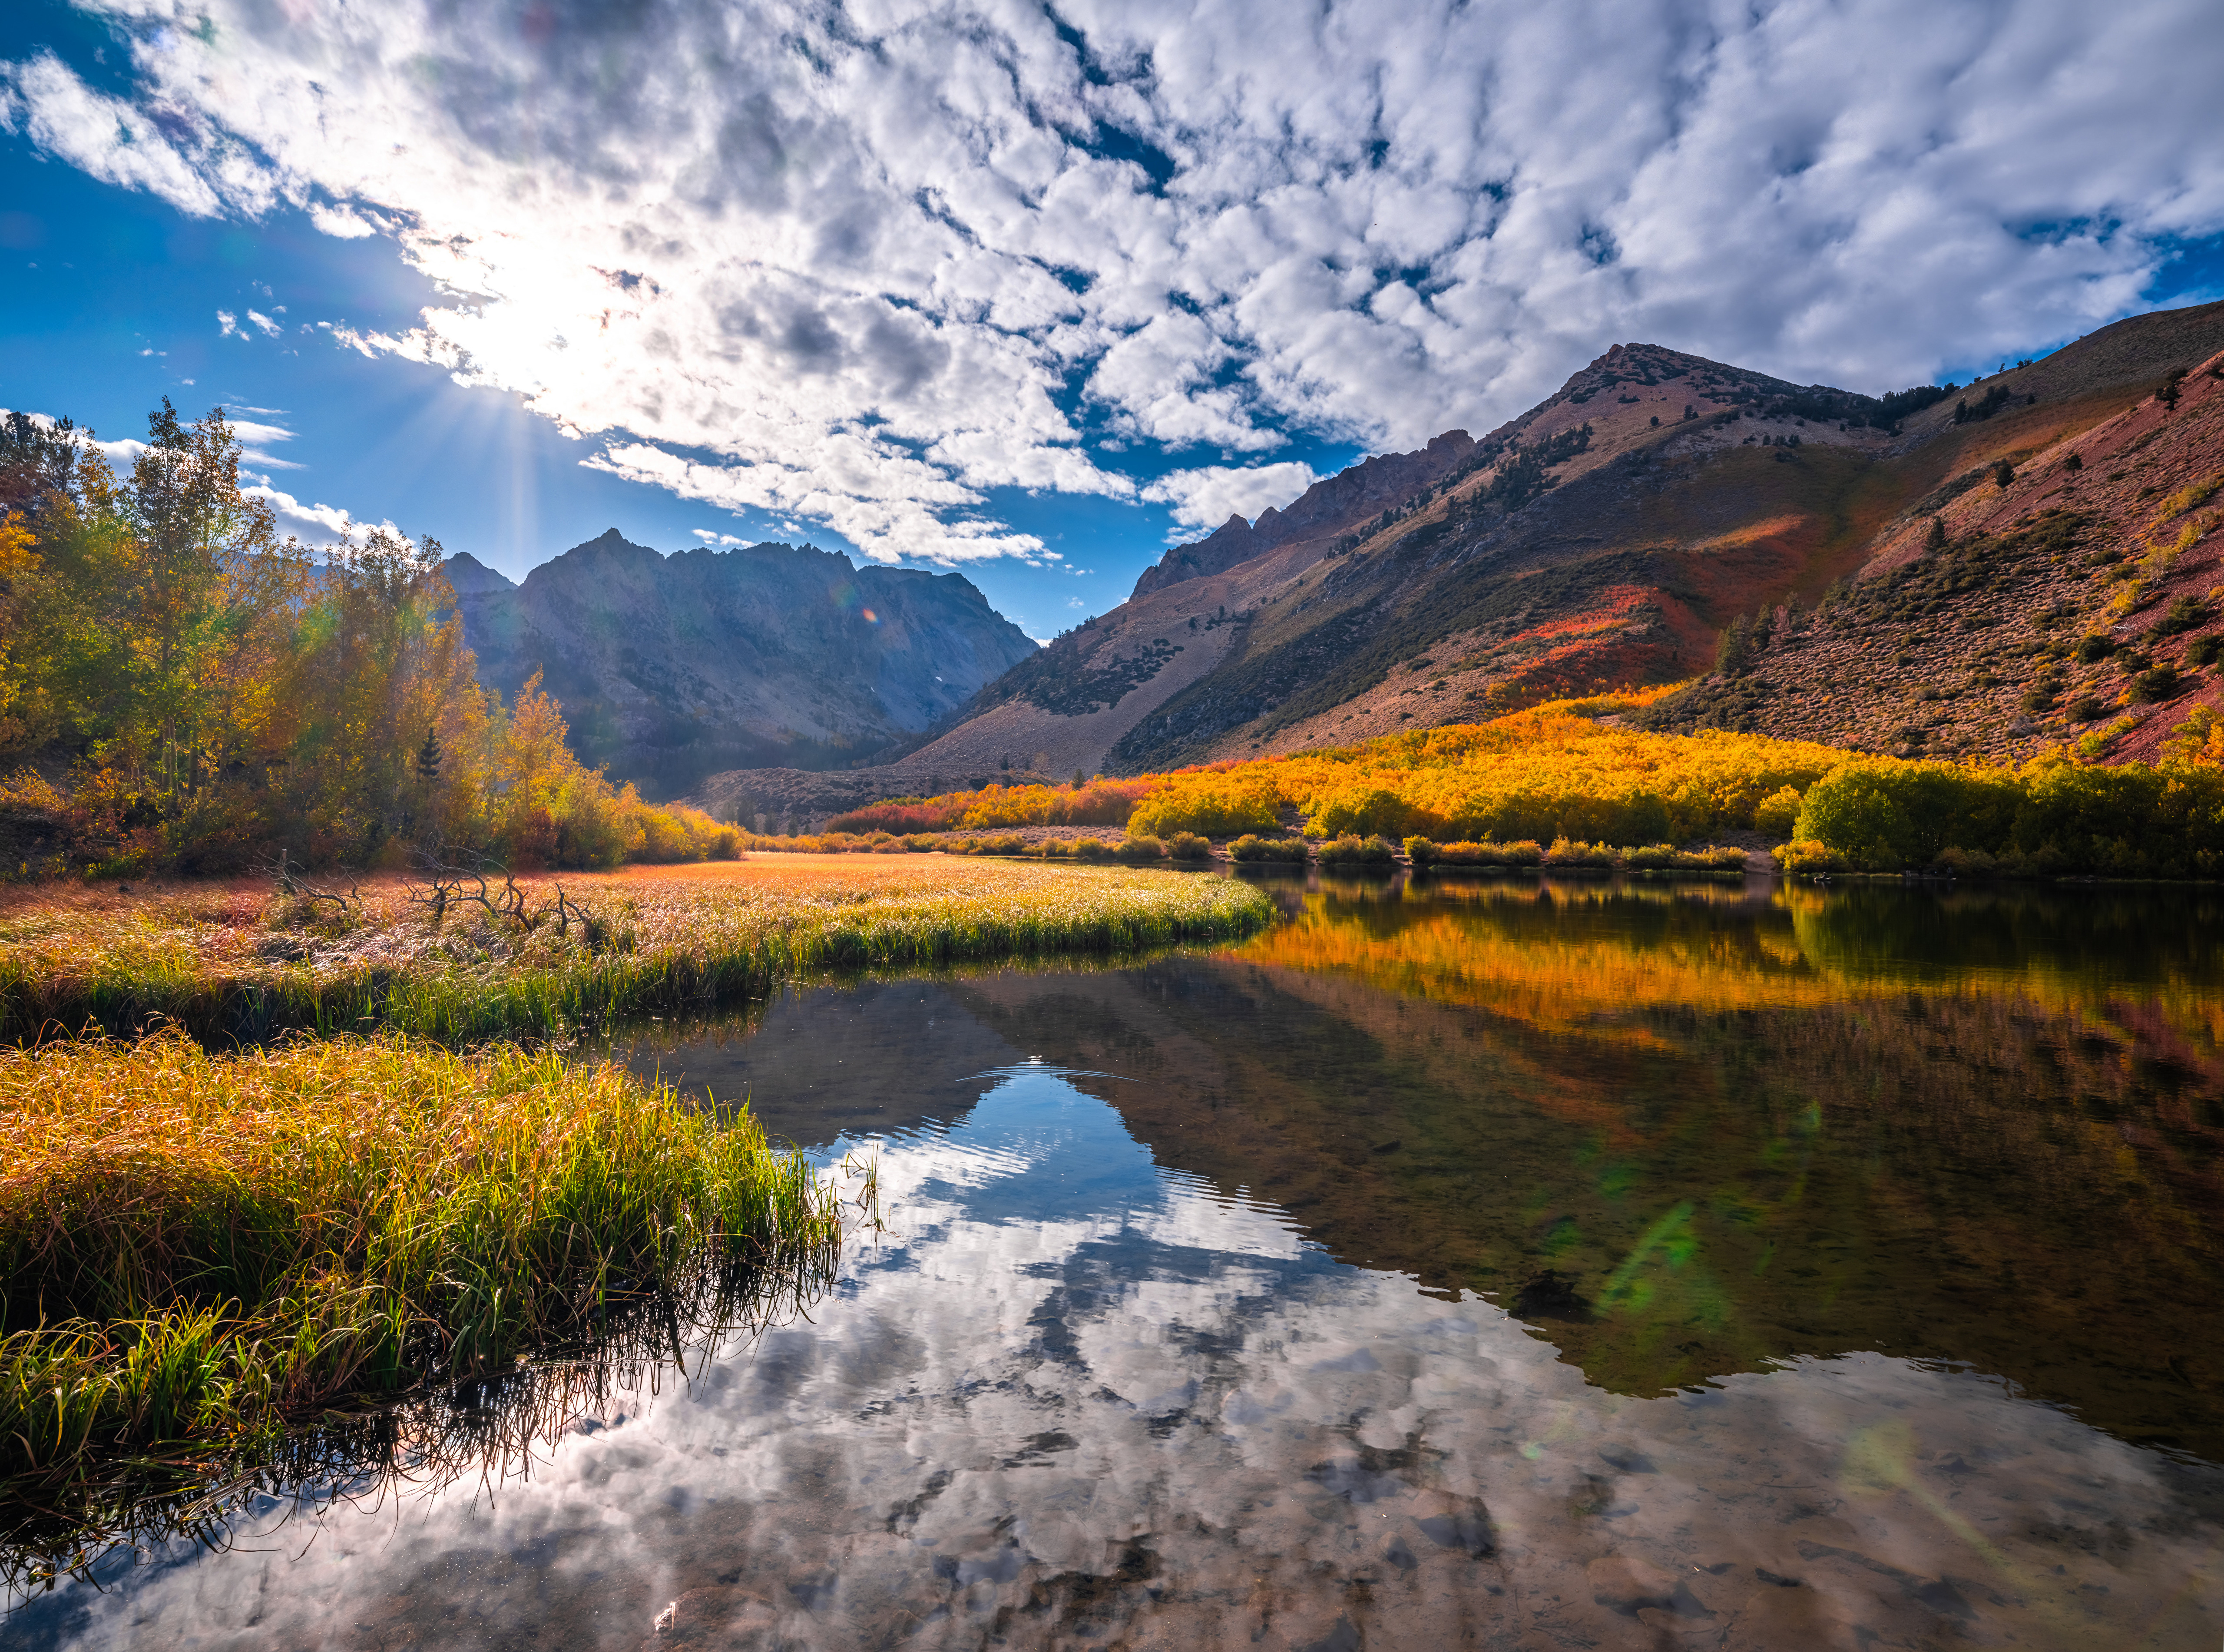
290 883
471 883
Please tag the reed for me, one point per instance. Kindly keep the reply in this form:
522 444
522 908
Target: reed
200 1251
247 965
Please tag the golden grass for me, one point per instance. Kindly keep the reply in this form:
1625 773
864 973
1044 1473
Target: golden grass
199 1249
231 959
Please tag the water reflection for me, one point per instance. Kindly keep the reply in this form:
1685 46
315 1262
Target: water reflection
1836 1284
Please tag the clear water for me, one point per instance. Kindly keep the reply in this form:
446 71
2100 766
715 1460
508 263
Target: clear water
1599 1266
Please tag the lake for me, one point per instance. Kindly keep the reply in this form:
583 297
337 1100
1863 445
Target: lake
1489 1264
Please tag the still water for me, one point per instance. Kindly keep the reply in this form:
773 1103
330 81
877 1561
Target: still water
1590 1266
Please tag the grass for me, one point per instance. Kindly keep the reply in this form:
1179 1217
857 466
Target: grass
238 961
202 1251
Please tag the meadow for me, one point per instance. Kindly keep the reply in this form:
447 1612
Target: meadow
242 960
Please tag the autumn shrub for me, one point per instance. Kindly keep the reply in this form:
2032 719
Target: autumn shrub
1188 846
1570 855
905 815
1253 849
1353 851
1525 855
1140 851
1805 857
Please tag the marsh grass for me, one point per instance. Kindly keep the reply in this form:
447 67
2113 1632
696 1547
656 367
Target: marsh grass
202 1251
493 1429
241 963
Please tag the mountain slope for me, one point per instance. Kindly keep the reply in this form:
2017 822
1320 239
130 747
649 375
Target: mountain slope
2072 594
1613 534
669 669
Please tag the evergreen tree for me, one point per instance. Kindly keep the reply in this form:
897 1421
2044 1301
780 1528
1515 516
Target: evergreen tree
429 757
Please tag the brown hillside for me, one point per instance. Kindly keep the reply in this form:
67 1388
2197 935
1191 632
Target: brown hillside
2039 612
1615 532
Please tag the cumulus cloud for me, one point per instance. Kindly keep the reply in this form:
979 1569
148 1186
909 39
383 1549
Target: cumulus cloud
1205 497
862 266
315 525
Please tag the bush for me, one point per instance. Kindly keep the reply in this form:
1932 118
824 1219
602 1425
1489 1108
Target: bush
2094 646
1666 858
2086 709
1093 849
1805 856
1188 846
1524 855
1140 851
2186 614
903 814
2157 686
1421 852
1568 856
2204 650
1253 850
1351 849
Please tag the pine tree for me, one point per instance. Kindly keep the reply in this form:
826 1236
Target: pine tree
429 757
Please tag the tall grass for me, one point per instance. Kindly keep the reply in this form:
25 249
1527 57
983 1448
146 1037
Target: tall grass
247 966
199 1249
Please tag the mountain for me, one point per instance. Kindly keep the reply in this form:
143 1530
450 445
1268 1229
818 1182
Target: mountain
1616 533
670 667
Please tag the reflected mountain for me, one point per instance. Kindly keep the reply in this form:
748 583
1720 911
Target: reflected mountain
1684 1137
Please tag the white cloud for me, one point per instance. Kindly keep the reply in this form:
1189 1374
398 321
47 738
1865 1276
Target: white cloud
865 275
315 525
270 328
228 325
710 538
1208 496
341 221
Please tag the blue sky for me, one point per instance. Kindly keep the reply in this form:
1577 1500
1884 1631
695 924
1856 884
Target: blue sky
1030 293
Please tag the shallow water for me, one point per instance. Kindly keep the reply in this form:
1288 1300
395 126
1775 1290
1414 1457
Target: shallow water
1593 1266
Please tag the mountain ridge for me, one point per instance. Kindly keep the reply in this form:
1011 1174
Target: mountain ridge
670 667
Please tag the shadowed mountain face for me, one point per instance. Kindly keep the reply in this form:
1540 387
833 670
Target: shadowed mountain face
1613 533
669 669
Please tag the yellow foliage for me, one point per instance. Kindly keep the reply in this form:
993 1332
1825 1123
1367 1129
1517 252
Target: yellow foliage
1550 772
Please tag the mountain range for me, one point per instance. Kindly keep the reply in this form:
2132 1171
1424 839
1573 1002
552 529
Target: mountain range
670 667
1914 573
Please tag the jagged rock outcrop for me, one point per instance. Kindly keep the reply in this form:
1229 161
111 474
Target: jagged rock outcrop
672 667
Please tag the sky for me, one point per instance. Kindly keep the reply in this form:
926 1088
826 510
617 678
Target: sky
1032 290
